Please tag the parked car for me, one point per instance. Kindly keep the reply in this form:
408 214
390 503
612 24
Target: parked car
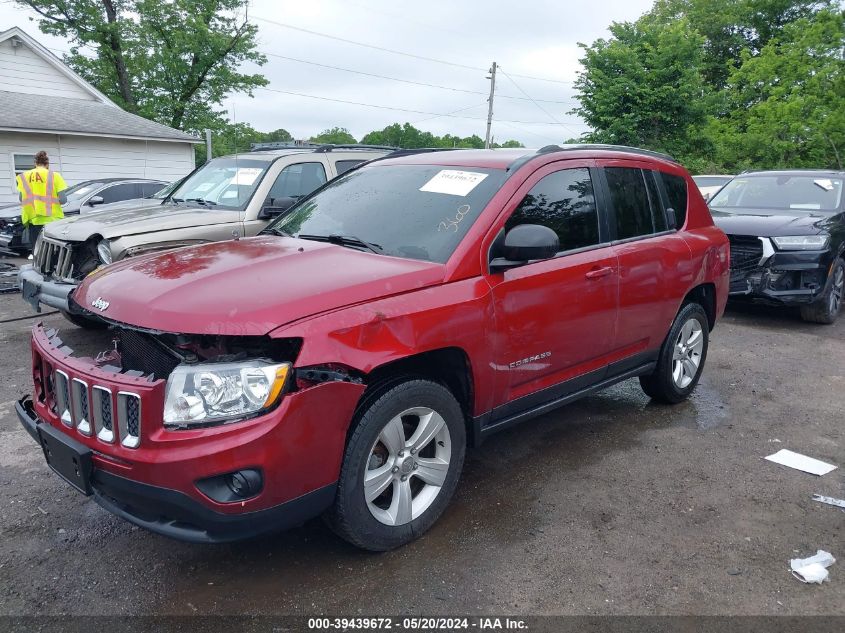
709 184
151 200
89 195
787 233
228 195
342 361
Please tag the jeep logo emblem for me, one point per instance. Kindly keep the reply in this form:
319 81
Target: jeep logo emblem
100 304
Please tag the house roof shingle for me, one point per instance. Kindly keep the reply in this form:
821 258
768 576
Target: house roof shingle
20 111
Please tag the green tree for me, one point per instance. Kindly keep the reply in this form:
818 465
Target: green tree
335 135
643 87
230 138
407 136
172 61
787 104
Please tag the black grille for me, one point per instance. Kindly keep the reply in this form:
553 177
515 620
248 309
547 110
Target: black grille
142 353
105 411
83 403
132 417
746 253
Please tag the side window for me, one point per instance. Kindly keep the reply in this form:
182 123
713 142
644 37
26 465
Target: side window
658 214
150 188
116 193
23 162
345 165
564 202
676 191
298 180
631 206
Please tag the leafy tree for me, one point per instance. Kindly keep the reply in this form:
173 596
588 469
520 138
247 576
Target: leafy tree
230 138
788 102
408 137
171 61
509 144
643 87
335 135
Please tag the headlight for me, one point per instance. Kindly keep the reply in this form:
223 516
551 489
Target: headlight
104 251
801 242
210 393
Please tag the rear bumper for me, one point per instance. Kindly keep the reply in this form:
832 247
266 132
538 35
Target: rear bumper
36 290
176 515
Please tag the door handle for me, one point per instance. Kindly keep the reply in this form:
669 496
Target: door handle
598 273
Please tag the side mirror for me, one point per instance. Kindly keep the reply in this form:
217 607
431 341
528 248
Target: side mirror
707 196
274 207
93 201
672 218
525 243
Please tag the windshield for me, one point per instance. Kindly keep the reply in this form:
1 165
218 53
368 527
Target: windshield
414 211
226 182
793 192
710 181
81 190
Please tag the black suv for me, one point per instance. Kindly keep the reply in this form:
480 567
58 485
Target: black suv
787 233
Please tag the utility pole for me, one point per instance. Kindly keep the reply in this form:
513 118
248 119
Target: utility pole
207 144
492 79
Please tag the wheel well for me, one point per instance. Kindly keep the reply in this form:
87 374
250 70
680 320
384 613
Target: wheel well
705 296
448 366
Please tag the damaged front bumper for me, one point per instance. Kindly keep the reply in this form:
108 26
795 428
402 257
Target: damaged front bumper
173 481
778 277
37 289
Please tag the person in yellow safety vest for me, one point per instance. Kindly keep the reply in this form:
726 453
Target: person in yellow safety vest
41 196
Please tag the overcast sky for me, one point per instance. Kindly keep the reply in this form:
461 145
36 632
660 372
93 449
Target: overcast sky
536 38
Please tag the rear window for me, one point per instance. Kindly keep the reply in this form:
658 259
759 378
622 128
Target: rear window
631 204
676 192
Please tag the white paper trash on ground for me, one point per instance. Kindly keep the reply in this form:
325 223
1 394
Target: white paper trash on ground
801 462
812 570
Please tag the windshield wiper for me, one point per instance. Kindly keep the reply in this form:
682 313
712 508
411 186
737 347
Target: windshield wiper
202 201
276 231
344 240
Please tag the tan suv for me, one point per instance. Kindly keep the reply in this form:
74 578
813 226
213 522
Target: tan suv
227 197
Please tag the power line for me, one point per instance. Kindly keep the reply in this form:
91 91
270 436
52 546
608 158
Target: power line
549 114
472 107
395 52
382 107
409 81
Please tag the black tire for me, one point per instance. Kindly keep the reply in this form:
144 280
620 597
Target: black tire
84 322
826 308
660 385
350 516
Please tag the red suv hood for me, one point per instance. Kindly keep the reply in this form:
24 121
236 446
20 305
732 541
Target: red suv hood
246 287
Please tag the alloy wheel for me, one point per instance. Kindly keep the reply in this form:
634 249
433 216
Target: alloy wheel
407 466
686 357
837 290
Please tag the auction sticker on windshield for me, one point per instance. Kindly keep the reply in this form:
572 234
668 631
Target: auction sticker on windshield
246 176
453 182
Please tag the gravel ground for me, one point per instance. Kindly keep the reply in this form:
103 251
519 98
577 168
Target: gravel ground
612 505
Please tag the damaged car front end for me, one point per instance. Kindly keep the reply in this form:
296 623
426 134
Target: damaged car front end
195 437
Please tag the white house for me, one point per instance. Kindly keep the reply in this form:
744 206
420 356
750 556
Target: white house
44 105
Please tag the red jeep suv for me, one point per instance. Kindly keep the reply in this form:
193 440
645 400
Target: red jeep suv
341 362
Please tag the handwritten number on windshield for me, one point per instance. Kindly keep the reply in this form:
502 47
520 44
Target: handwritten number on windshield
452 223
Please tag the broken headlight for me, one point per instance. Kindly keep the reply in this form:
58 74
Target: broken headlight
801 242
210 393
104 251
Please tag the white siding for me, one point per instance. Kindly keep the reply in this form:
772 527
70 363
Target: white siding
81 158
22 70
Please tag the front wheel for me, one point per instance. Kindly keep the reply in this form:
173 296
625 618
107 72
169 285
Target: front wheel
827 307
682 357
401 466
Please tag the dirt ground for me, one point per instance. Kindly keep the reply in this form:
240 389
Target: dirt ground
612 505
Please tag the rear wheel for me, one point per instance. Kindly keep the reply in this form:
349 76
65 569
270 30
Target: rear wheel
682 357
401 466
84 322
826 308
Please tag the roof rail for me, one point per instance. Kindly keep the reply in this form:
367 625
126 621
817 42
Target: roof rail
328 147
260 147
615 148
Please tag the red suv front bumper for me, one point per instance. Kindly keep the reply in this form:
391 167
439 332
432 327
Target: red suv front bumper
111 423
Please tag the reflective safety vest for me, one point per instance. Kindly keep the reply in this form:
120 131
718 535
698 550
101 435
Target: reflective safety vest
39 189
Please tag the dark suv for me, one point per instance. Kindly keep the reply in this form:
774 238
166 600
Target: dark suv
787 233
342 361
